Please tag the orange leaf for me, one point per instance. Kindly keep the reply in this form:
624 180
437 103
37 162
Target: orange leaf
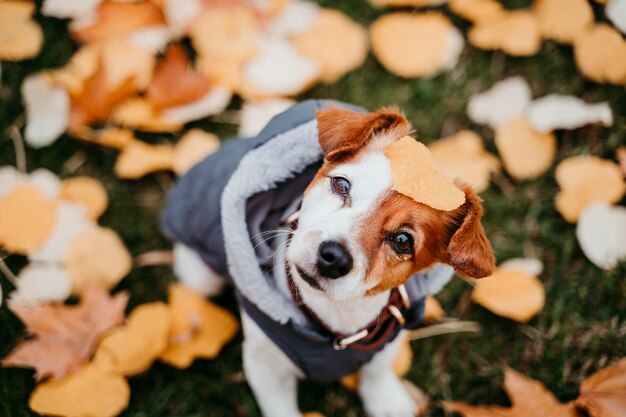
175 82
621 158
96 101
116 19
529 398
603 393
65 336
86 191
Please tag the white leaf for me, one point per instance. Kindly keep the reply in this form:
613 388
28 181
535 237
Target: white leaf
152 38
47 110
180 13
601 233
255 115
616 12
296 17
504 101
531 266
39 283
46 182
279 69
454 44
69 9
9 178
71 221
214 102
556 111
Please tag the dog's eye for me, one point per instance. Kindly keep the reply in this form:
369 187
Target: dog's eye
340 185
401 242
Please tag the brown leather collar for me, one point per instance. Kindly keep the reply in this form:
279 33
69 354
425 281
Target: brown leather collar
371 337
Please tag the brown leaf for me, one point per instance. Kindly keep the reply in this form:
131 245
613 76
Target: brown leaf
116 19
65 336
603 394
96 101
529 398
175 82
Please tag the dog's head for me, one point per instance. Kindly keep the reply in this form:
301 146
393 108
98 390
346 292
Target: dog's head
357 236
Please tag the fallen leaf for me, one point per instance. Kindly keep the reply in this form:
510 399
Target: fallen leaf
556 111
406 3
87 191
516 33
132 348
525 153
41 283
48 184
531 266
413 174
70 9
213 102
504 101
193 147
477 11
393 42
335 42
433 312
20 37
256 114
26 219
153 39
96 257
585 179
563 20
620 154
47 110
528 398
616 12
139 158
65 336
510 293
9 179
262 78
96 101
601 233
600 54
199 328
295 18
226 32
119 20
180 14
140 114
90 392
463 156
71 220
602 394
175 82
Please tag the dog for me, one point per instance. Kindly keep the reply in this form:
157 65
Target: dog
329 261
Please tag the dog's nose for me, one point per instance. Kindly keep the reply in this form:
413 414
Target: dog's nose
333 260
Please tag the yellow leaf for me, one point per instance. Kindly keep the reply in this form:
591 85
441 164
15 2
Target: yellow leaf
600 54
414 175
90 392
139 158
193 147
86 191
516 33
199 328
140 114
20 37
563 20
132 348
433 311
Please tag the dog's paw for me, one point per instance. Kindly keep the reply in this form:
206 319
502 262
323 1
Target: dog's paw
387 397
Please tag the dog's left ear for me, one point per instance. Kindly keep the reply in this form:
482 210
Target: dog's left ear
469 250
342 131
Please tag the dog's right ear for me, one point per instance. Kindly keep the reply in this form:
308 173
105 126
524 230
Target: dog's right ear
342 131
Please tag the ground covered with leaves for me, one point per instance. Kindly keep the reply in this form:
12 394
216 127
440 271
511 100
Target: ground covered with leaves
581 328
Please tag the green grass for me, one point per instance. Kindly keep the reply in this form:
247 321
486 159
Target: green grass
581 329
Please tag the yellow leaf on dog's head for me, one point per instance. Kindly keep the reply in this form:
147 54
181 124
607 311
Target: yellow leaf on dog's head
585 179
139 158
526 154
27 217
463 156
132 348
91 392
199 328
510 293
413 174
86 191
97 257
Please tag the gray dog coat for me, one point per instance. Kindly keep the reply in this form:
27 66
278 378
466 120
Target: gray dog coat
223 204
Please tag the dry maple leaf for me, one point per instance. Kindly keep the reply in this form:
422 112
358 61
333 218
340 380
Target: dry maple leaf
603 394
529 398
65 336
175 82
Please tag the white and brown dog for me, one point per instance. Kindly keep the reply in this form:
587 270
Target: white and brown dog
328 293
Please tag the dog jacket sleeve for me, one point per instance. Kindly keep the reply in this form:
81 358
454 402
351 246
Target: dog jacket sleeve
222 204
